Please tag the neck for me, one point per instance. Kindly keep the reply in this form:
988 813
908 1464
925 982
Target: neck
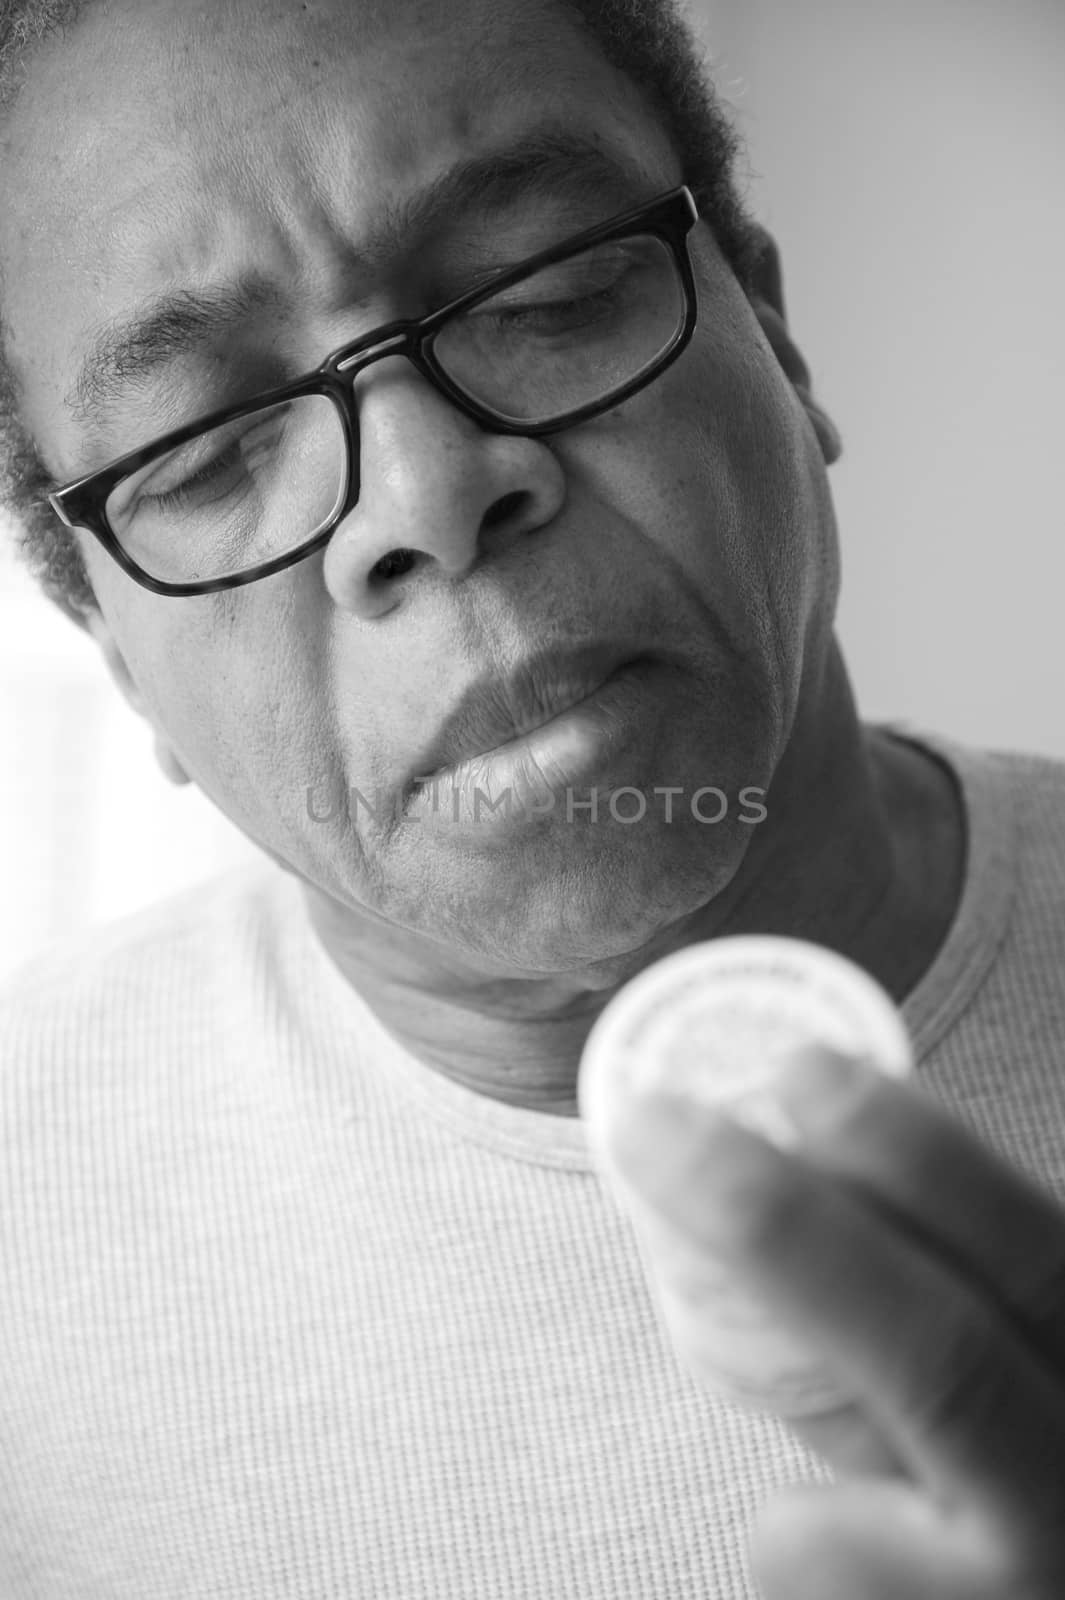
862 851
866 851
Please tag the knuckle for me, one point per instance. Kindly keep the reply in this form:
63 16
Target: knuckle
772 1215
956 1376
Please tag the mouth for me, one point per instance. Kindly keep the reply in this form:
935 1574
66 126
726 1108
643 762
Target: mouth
568 702
498 712
487 795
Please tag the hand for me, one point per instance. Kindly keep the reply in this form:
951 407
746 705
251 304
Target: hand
930 1277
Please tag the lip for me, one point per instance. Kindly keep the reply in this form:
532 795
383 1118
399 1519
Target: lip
519 784
498 710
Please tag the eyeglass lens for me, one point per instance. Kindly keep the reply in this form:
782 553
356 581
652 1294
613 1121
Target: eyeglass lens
261 485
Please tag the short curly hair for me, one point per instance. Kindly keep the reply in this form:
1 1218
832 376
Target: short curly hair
650 41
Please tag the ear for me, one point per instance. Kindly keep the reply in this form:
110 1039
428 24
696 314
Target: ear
768 307
116 664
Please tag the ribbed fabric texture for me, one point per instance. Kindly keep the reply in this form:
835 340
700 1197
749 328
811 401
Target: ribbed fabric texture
287 1315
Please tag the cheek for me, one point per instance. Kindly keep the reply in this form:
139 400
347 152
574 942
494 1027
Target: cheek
206 670
756 458
711 463
242 687
254 704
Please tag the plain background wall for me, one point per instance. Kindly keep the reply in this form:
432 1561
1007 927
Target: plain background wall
908 156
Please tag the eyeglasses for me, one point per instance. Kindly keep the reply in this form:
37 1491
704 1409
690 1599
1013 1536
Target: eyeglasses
250 490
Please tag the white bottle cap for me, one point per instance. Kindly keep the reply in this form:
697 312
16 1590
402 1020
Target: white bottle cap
710 1024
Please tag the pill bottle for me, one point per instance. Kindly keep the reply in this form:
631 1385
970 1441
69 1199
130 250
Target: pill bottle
709 1024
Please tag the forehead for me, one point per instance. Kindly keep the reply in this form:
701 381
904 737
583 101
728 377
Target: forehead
207 135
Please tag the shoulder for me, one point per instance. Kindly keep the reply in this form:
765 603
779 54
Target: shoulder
102 983
1004 789
1015 813
1014 810
1027 789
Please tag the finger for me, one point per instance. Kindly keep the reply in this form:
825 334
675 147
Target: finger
966 1405
891 1140
873 1542
851 1441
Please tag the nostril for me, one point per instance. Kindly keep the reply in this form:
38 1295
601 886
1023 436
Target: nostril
504 508
394 565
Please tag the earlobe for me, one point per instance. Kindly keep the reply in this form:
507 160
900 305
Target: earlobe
828 435
168 761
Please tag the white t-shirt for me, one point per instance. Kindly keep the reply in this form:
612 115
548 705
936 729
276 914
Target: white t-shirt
288 1315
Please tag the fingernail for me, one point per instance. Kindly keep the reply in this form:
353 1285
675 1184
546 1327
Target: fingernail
810 1085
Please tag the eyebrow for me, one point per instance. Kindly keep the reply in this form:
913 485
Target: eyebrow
548 161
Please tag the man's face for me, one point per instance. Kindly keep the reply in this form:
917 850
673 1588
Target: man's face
693 519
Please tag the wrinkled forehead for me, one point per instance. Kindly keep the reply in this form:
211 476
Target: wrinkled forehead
161 137
142 94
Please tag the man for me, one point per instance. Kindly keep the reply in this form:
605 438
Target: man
311 1287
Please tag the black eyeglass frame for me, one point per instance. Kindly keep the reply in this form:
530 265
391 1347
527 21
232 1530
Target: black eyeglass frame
82 503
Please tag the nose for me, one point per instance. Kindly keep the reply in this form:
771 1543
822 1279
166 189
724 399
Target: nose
437 492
